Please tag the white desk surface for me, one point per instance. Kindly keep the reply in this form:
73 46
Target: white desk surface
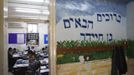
44 70
20 65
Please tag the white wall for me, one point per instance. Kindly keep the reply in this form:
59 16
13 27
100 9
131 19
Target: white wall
17 29
118 30
130 20
42 29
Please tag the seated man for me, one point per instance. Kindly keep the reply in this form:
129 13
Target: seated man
10 64
45 50
34 64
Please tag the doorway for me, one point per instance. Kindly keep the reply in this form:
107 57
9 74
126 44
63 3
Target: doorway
27 37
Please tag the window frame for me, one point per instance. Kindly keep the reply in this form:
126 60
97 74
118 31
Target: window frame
32 24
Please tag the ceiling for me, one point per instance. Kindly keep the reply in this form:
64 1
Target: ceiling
31 9
28 9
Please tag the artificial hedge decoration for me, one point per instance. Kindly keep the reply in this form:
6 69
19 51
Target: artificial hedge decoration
83 43
71 57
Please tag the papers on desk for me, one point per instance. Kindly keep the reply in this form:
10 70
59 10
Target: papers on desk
44 70
44 61
26 52
43 67
16 55
20 65
43 54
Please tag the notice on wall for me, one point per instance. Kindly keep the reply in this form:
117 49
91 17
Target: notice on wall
16 38
32 38
45 38
21 38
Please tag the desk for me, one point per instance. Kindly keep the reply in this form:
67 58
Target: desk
44 61
16 55
20 67
43 54
44 70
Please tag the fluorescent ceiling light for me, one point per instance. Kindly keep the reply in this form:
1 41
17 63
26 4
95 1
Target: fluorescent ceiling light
36 0
46 12
34 11
47 1
27 10
5 9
